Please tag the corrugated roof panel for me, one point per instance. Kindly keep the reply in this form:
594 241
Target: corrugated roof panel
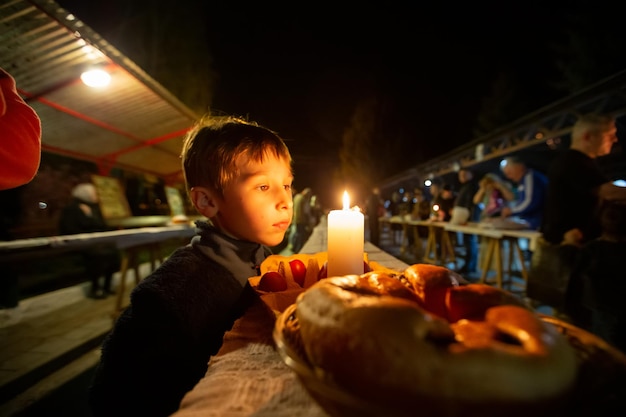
134 120
148 158
62 131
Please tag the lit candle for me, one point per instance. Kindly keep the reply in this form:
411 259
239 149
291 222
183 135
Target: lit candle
345 240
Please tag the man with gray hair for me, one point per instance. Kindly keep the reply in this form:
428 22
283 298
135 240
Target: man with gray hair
576 185
82 215
576 188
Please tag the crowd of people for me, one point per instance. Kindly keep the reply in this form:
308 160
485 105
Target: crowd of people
579 211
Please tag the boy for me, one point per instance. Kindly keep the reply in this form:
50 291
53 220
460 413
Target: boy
239 176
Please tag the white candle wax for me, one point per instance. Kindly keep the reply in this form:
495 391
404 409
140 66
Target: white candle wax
345 241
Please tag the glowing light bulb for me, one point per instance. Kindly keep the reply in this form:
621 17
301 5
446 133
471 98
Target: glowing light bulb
96 78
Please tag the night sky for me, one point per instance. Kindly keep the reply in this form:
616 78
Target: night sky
302 75
301 69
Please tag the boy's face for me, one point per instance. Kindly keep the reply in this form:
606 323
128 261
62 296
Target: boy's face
257 205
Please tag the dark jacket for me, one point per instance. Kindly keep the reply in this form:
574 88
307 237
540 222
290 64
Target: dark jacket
103 259
73 220
161 344
572 197
600 268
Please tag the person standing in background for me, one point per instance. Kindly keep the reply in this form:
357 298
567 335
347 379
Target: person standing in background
374 205
443 203
601 278
577 189
20 136
491 196
316 210
301 219
421 206
530 192
465 199
82 215
576 184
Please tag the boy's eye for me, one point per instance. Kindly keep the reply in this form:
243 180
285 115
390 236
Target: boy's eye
287 187
264 187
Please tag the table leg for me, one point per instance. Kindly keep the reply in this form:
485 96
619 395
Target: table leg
431 246
522 262
488 257
520 256
128 261
405 239
155 255
510 262
498 249
447 252
418 250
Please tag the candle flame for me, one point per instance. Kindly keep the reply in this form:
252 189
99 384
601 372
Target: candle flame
436 207
346 201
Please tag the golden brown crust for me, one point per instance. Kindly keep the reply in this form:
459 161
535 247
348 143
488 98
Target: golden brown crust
431 284
473 300
369 336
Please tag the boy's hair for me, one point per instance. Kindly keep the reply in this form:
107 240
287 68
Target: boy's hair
212 147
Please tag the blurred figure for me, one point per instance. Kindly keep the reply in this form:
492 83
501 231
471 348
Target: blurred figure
421 206
82 215
301 219
443 203
374 211
598 281
576 184
530 192
577 188
491 196
406 203
20 136
316 210
465 199
420 211
395 209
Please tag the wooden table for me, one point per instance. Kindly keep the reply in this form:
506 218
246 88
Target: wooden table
438 250
494 239
131 243
248 377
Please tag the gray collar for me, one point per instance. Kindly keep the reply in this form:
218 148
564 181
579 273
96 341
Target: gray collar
243 259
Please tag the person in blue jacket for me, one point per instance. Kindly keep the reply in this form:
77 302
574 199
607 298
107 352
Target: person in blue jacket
531 187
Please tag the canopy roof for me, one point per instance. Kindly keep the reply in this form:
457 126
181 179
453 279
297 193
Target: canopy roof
133 124
536 137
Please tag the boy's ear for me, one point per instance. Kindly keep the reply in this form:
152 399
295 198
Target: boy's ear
204 201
